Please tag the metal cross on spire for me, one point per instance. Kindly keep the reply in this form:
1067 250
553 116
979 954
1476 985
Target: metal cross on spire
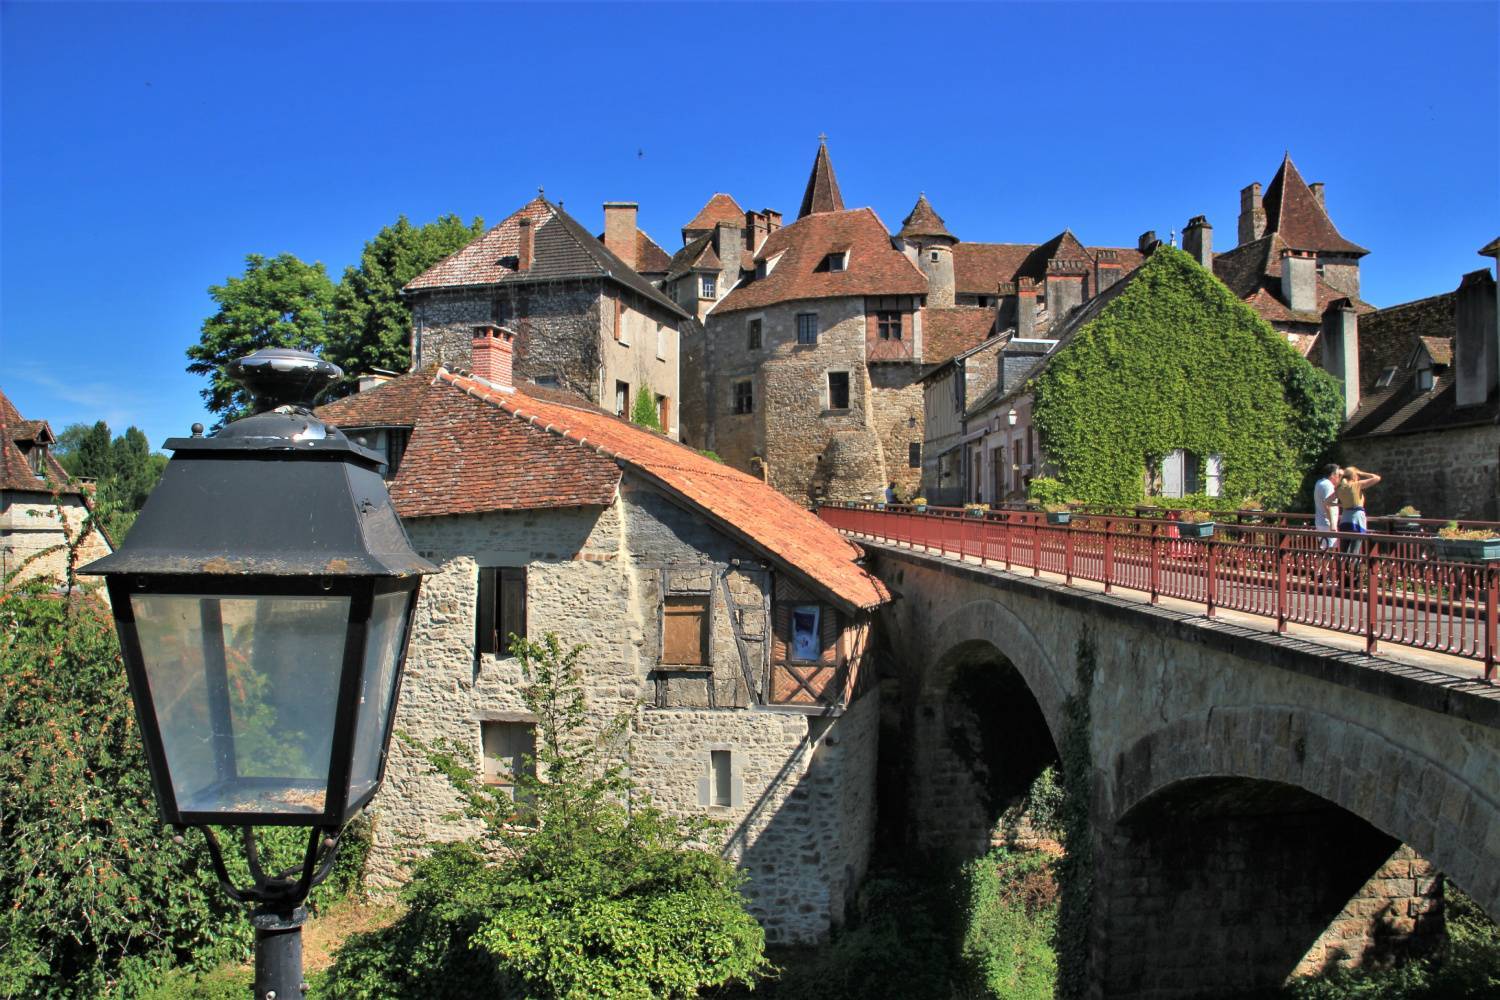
822 138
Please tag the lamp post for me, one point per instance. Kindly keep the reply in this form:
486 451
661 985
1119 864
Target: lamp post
263 601
1010 416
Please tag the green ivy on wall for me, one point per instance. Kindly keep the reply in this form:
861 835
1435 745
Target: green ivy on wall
1177 361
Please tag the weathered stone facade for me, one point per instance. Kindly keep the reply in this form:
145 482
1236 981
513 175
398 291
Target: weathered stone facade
1446 472
31 528
802 815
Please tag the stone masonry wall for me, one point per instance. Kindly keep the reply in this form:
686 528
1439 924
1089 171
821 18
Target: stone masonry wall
30 524
899 421
1443 474
597 577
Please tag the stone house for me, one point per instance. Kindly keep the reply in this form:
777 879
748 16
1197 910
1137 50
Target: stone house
37 500
585 320
731 623
1428 408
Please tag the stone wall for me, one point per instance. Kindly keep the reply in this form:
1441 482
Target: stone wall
1452 473
30 523
597 577
644 354
898 419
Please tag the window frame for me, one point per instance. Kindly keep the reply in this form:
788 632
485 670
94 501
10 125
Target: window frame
622 399
889 324
491 777
742 396
492 630
816 612
807 329
755 338
831 402
708 286
703 602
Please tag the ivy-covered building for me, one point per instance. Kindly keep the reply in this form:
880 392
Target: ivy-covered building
1164 384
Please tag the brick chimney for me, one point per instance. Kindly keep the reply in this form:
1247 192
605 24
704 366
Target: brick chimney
1252 215
1146 241
620 230
729 244
1025 309
1107 268
1299 280
773 219
492 355
1198 241
1340 339
523 255
1476 340
1317 193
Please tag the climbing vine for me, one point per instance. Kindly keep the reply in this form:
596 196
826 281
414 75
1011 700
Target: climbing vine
1177 361
1076 869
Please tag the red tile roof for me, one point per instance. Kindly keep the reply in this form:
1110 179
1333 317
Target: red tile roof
946 332
923 220
1293 212
650 258
1253 272
393 403
741 504
874 267
15 469
719 208
822 194
978 268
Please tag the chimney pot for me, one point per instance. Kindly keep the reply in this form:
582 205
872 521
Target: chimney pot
1299 280
1198 241
1146 241
524 254
492 355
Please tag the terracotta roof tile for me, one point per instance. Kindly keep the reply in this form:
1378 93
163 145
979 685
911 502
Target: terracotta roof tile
1253 272
743 505
1293 212
1439 349
874 267
394 403
561 249
719 208
650 258
923 220
822 194
978 268
947 332
15 469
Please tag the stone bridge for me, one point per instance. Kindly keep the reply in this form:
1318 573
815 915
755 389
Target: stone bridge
1261 805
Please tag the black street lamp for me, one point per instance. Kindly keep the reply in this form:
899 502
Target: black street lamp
264 599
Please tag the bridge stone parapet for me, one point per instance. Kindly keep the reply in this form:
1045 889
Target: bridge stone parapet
1261 805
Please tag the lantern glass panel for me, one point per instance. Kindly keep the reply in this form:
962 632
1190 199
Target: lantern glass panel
245 692
386 635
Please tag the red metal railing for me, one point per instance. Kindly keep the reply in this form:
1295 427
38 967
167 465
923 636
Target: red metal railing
1386 587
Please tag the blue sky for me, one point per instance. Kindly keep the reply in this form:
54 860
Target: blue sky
145 149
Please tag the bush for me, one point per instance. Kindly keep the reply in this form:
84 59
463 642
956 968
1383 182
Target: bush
643 411
587 898
1009 920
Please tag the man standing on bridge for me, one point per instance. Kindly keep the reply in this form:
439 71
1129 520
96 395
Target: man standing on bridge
1325 503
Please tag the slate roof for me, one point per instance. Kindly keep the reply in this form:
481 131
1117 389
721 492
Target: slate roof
949 332
475 449
1293 212
874 267
720 208
1253 272
1402 409
561 249
822 194
979 267
695 253
15 470
1388 337
923 220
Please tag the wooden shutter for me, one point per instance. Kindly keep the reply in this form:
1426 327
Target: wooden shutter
685 630
484 613
512 606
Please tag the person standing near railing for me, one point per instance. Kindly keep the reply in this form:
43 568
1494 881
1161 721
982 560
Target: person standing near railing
1351 496
1326 504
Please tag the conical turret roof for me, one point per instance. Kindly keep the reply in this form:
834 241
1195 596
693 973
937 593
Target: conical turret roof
923 221
1293 212
822 194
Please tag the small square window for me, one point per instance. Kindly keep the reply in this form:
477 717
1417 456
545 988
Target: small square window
509 753
720 774
684 639
744 397
934 256
838 260
889 323
807 328
838 390
807 632
755 335
707 287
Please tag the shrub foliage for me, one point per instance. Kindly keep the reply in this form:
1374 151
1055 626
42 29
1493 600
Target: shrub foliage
567 893
1177 361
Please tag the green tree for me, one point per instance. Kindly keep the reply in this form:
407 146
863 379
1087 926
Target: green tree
371 323
125 468
643 412
85 450
278 302
588 898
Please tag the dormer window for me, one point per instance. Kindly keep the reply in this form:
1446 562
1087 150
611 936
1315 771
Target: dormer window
707 287
36 457
1386 378
1424 379
388 442
838 260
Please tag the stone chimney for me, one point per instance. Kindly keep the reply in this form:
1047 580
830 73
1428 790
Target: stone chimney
524 254
1146 241
1065 279
1299 280
1340 339
729 244
1198 241
620 230
1317 193
492 355
773 219
1025 309
1476 340
757 228
1107 270
1252 215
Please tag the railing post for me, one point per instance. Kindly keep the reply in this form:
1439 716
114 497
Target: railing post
1211 581
963 537
1491 620
1155 563
1109 556
1036 547
1068 553
1008 522
1283 556
1372 601
984 535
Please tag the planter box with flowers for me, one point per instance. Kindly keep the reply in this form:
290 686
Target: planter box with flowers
920 503
1058 513
1473 545
976 509
1195 524
1404 521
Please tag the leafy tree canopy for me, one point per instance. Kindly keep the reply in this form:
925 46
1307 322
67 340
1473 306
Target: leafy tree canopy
125 468
278 302
588 899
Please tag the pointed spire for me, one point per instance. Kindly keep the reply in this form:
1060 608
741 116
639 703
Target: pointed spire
822 193
1293 212
923 220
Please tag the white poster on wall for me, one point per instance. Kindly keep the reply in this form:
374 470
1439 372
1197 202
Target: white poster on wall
805 632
